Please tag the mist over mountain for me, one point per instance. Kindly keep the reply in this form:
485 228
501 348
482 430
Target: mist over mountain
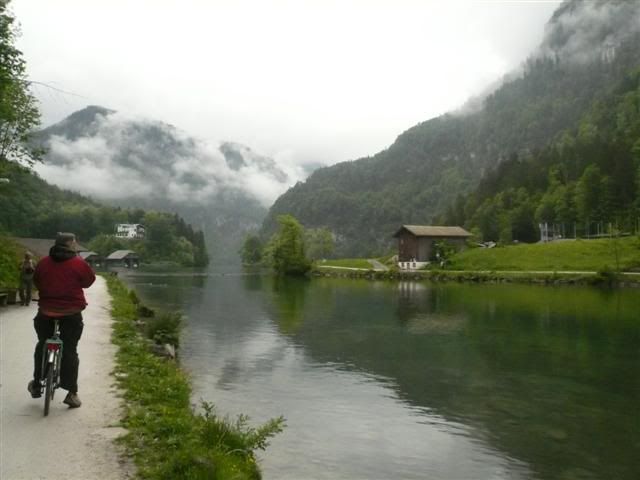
589 48
582 31
223 188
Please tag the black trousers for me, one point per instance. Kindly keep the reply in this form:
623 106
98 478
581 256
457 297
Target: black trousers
25 291
71 327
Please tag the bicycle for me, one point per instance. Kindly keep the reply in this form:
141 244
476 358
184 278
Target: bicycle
51 361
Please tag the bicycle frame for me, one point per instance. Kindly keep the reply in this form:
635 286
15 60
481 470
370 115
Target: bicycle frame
51 360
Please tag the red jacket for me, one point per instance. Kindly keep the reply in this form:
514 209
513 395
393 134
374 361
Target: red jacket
60 278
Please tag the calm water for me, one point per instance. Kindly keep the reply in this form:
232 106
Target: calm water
385 380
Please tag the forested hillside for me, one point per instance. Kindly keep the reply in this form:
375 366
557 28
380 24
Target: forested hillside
587 58
30 207
586 182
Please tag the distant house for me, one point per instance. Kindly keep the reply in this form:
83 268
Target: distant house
416 243
123 258
130 230
92 258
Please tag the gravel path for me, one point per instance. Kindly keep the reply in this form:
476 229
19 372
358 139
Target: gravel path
69 444
377 265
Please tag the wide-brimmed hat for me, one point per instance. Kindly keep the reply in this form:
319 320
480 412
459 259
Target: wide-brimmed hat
67 239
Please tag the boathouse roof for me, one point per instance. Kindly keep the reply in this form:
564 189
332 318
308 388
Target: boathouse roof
433 231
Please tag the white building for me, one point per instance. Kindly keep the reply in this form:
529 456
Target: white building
129 230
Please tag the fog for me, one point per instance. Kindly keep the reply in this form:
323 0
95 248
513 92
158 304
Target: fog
122 156
313 82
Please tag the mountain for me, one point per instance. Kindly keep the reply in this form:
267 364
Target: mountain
588 49
223 188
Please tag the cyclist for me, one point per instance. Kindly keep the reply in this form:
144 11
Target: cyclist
60 278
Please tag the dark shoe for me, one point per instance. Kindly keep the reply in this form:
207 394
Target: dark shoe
72 400
34 389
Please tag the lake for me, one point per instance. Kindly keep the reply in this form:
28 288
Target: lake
408 380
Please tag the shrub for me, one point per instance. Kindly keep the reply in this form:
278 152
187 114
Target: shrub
605 276
165 328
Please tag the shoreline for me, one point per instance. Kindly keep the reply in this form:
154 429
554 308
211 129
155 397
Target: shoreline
621 280
166 435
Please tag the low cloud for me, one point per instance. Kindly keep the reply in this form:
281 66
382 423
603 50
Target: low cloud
582 31
117 156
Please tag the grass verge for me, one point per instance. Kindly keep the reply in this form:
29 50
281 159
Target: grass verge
10 257
578 255
166 438
601 255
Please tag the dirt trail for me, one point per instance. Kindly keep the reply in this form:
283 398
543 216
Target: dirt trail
69 444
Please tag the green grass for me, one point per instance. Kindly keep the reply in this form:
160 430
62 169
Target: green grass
346 262
166 438
10 257
579 255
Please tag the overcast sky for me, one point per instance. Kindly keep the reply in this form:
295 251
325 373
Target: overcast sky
302 81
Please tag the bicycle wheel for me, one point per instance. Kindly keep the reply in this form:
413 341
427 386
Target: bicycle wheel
48 391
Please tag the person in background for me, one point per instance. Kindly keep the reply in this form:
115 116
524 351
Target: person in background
27 268
61 277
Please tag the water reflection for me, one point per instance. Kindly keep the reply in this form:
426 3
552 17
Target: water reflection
388 380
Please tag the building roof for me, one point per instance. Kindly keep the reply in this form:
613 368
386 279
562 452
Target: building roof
120 254
40 246
434 231
86 255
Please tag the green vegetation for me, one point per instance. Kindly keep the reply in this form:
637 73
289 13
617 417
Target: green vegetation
584 183
319 243
19 113
579 255
165 437
32 208
286 248
10 257
168 239
604 258
165 328
291 241
251 251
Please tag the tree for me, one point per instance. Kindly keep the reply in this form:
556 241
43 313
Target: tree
19 114
287 248
251 251
588 194
319 243
200 255
159 234
442 251
105 245
522 223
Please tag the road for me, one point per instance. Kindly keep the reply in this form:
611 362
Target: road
69 444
